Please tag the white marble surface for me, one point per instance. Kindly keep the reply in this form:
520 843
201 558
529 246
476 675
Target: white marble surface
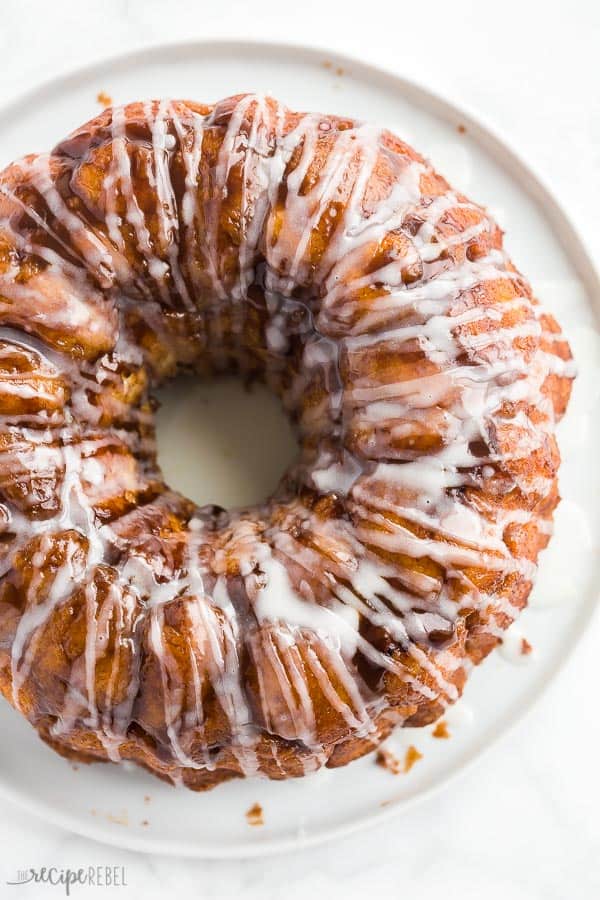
522 824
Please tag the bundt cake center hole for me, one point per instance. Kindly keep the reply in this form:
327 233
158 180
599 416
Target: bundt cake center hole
220 442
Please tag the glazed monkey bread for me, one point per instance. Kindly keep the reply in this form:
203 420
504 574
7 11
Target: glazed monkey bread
424 381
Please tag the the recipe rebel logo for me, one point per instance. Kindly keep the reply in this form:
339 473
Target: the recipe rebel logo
67 879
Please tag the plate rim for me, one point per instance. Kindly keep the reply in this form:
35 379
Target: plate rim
499 147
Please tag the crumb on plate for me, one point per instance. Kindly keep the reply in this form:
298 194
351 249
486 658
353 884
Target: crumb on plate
441 730
254 815
387 760
338 70
411 756
104 99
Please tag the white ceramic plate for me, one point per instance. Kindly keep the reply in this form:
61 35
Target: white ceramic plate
202 429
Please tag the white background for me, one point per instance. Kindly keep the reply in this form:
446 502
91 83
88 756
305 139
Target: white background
523 823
